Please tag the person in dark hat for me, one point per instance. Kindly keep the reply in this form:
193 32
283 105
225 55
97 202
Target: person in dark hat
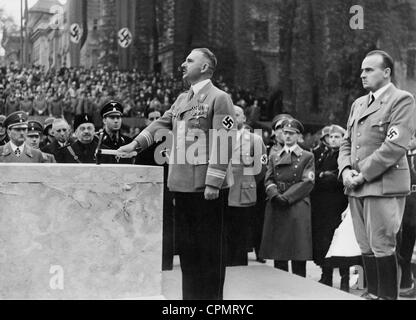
323 145
289 180
110 136
277 135
34 136
83 150
16 150
47 133
3 134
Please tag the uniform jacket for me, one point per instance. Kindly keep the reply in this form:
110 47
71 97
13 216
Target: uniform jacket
287 231
28 155
376 141
243 193
108 143
190 122
85 153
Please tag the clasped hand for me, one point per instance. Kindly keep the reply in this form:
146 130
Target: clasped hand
352 178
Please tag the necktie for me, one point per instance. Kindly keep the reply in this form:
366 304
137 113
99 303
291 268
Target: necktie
190 94
17 152
372 98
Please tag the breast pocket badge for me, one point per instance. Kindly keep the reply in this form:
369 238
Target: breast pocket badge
199 111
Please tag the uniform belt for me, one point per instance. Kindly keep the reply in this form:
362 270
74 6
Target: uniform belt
413 188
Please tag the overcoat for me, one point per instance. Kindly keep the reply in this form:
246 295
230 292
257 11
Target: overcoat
287 233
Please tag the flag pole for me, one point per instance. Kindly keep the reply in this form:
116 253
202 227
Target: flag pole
21 34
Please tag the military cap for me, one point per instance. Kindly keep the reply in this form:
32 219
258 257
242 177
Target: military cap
292 125
336 129
325 132
2 118
16 119
278 119
34 127
81 119
47 124
111 107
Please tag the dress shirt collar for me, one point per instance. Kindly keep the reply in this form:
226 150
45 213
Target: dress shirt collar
380 91
198 86
290 149
14 147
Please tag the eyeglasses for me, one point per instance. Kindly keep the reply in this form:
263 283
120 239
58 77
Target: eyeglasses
153 118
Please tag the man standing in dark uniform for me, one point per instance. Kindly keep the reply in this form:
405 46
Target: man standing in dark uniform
323 147
199 181
3 134
407 236
328 202
110 136
83 150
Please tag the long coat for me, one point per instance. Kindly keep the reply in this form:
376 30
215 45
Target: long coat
328 202
287 233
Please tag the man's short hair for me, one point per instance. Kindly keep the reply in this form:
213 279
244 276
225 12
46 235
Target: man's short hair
59 121
387 60
210 56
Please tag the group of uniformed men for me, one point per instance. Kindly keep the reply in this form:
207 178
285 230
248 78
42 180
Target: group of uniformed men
208 201
26 140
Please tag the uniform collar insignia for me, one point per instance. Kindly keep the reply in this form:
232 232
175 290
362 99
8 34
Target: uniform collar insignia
28 151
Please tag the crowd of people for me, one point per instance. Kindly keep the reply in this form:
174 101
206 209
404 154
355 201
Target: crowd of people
287 212
68 92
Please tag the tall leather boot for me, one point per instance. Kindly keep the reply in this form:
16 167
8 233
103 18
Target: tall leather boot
370 270
326 276
387 270
345 278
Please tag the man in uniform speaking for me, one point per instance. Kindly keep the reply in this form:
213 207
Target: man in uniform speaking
199 182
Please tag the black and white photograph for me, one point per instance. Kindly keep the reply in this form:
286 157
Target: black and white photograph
220 151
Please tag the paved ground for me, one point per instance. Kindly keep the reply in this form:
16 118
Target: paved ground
264 282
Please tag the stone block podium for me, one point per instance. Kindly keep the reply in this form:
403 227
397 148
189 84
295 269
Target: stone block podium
80 231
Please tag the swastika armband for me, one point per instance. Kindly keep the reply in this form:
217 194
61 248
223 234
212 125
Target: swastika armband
228 122
393 133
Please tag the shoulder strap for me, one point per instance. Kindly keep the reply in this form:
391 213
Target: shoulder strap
72 152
